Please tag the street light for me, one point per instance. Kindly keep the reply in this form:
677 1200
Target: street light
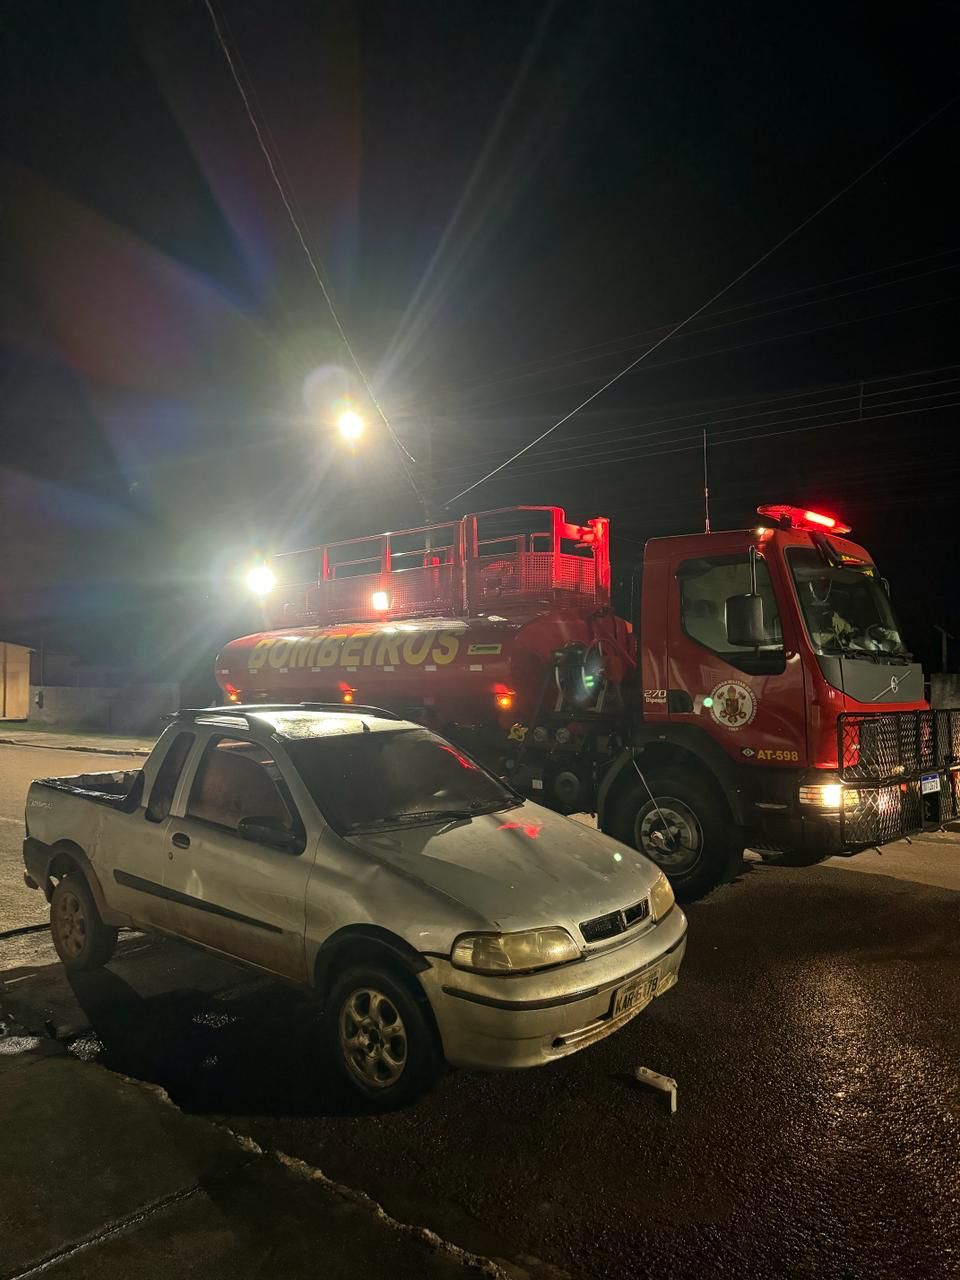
261 580
350 425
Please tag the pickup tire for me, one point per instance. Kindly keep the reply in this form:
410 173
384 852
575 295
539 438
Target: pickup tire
690 816
381 1036
81 939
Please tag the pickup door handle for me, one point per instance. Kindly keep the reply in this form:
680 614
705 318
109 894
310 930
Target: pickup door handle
181 841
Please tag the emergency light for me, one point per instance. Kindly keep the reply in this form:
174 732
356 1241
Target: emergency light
797 518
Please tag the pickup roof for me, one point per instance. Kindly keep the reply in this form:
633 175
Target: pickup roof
438 914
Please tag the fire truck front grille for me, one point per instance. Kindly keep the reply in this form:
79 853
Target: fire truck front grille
608 926
877 747
883 814
883 756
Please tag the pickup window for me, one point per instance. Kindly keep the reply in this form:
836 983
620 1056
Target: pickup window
237 779
364 782
168 775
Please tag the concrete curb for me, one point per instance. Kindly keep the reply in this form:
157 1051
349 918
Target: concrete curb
105 750
206 1202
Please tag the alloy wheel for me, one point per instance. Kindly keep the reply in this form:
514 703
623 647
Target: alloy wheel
373 1039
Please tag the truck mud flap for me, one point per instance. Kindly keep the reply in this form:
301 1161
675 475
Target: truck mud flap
900 772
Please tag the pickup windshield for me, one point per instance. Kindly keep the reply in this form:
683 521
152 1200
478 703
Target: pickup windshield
407 777
845 608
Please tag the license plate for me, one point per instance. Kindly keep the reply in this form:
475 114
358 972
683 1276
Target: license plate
632 996
930 783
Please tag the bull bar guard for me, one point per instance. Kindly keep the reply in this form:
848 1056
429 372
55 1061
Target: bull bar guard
900 772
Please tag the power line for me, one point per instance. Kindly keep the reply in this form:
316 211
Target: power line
759 431
757 435
615 346
710 301
612 435
620 436
856 479
641 449
716 352
406 457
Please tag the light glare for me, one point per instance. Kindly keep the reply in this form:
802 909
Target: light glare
261 580
350 425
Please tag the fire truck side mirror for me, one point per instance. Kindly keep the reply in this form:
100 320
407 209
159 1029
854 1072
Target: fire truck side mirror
744 619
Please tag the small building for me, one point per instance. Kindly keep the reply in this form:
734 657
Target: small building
14 681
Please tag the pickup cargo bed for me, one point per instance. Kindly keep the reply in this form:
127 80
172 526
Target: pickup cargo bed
102 788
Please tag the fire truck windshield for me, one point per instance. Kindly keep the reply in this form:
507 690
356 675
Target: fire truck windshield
408 777
845 607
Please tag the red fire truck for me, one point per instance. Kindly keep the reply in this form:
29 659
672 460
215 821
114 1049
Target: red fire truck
759 692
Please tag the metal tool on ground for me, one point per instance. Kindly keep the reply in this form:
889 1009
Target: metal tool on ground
654 1080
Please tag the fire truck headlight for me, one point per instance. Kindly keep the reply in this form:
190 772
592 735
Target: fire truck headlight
829 796
261 580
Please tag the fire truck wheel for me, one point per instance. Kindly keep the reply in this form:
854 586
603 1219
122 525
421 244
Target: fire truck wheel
684 829
81 939
381 1036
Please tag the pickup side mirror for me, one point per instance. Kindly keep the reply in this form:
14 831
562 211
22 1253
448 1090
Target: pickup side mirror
744 621
271 832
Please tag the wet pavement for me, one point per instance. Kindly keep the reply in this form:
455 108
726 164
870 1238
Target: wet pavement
814 1034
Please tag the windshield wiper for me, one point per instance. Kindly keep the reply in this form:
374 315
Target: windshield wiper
881 656
425 816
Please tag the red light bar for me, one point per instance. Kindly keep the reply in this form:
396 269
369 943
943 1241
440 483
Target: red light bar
797 518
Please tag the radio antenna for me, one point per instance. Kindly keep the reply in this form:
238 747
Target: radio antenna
706 487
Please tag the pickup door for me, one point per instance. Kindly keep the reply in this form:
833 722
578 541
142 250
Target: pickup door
222 890
132 848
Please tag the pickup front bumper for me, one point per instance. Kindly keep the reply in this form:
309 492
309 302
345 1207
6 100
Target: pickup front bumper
493 1023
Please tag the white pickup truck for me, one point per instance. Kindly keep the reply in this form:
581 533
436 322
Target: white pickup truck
438 914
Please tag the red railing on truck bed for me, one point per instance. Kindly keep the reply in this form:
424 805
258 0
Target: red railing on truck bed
515 559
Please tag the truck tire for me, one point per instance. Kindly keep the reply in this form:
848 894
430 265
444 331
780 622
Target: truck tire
381 1036
707 848
81 939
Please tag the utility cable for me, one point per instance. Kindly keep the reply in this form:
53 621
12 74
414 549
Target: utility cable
406 456
758 435
627 341
626 437
712 299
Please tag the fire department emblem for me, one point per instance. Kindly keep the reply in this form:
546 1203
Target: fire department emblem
733 705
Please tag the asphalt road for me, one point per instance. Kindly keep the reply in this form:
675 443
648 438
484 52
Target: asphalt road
814 1033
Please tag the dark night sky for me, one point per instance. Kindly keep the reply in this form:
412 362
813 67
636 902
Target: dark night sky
509 200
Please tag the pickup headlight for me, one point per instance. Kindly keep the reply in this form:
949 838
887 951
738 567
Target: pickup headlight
514 952
661 897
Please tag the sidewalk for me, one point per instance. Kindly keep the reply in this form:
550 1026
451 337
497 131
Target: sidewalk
102 1177
17 734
